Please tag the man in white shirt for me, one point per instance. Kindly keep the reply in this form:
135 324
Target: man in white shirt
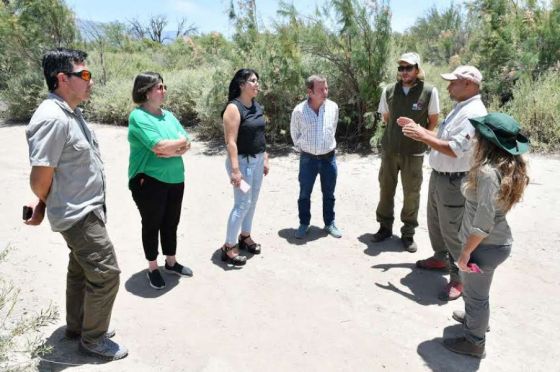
313 129
450 159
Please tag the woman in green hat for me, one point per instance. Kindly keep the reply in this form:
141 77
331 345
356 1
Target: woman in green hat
494 185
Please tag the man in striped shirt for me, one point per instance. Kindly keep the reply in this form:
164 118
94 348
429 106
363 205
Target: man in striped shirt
313 128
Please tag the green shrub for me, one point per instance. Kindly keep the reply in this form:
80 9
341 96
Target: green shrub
185 89
536 105
111 103
23 93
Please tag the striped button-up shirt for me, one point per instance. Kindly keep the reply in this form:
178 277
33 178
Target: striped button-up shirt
314 132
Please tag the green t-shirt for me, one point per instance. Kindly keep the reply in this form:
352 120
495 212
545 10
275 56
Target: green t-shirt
145 130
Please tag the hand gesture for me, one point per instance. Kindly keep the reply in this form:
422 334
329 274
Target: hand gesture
235 177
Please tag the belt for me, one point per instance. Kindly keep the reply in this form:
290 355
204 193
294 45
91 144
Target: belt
328 155
451 174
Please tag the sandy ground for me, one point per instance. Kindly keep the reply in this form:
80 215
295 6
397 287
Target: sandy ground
319 305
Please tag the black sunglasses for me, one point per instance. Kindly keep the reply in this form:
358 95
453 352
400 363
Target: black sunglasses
84 74
406 68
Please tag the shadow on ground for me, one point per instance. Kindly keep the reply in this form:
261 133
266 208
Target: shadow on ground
65 354
314 233
138 284
438 358
424 285
392 244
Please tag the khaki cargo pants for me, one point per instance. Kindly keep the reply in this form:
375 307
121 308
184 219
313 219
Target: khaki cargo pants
92 281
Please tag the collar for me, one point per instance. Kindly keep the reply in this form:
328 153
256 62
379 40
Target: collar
320 107
63 104
467 101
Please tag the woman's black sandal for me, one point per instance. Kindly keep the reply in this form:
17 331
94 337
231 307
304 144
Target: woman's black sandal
254 248
235 260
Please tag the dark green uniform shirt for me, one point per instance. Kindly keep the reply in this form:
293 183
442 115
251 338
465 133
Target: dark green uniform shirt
413 105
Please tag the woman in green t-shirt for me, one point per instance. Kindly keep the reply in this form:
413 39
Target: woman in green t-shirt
156 173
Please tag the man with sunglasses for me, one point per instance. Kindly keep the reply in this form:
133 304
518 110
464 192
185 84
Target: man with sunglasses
68 177
409 97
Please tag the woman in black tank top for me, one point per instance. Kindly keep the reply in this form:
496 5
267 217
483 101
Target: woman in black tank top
246 163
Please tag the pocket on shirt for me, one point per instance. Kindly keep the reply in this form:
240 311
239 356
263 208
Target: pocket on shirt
81 146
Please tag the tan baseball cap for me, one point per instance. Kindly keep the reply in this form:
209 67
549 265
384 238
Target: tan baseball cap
411 58
464 72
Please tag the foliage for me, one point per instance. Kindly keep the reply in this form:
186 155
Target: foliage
515 44
357 48
20 341
536 105
23 93
439 35
27 29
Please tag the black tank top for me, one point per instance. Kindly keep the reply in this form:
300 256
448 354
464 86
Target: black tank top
250 138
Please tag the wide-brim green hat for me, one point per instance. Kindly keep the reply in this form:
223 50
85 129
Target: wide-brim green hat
503 131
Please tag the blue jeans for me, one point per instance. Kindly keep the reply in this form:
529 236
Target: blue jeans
241 216
309 167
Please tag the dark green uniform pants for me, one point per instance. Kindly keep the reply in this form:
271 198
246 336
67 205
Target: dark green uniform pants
92 281
410 168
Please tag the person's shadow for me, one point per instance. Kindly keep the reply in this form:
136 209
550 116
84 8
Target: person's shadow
64 354
424 285
438 358
138 284
314 233
392 244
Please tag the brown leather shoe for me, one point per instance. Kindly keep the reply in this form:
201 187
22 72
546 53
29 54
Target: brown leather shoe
463 346
432 263
452 291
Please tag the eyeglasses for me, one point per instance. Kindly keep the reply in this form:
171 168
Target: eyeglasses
254 81
161 87
406 68
84 74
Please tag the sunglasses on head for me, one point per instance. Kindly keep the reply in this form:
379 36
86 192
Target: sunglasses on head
406 68
84 74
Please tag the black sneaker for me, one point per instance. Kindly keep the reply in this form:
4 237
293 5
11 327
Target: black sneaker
178 269
381 235
409 244
156 280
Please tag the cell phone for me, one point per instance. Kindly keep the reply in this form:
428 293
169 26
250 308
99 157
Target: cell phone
474 268
27 212
244 186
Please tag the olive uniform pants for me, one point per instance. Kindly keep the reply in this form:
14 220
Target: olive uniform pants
410 168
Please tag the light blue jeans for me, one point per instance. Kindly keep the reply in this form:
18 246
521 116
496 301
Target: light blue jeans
241 216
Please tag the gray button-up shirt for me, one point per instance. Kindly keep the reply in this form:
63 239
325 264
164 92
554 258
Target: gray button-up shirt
59 137
482 216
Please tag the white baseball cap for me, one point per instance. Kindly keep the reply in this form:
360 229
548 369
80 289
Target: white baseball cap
411 58
464 72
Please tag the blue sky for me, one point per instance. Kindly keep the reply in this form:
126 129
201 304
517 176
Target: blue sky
211 15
